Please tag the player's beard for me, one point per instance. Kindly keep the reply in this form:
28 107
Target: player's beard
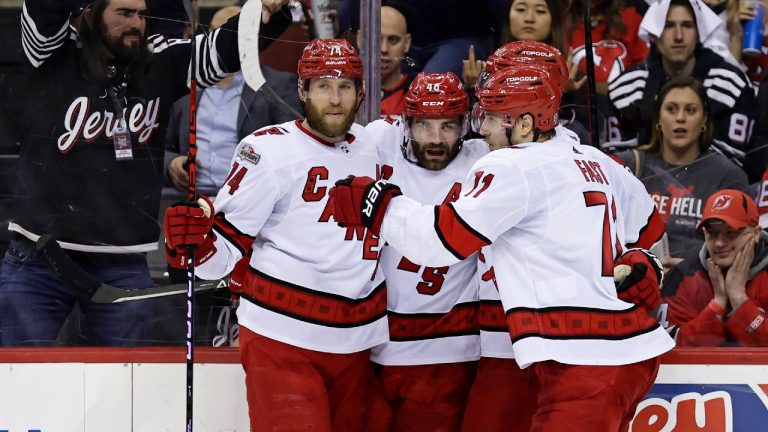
432 162
317 121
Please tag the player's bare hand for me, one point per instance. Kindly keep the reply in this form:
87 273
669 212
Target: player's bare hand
471 69
178 173
573 71
269 7
738 275
718 283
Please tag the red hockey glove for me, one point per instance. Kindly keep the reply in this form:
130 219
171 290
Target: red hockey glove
638 276
189 225
362 201
177 258
237 277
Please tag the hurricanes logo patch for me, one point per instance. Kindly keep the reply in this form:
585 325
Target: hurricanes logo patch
247 153
721 203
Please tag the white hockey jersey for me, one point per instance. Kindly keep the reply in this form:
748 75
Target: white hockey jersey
310 281
552 216
494 332
432 310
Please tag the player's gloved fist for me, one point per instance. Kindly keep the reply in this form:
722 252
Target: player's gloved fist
360 201
638 275
188 223
237 277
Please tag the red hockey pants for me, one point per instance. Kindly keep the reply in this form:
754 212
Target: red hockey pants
502 399
590 398
419 398
294 389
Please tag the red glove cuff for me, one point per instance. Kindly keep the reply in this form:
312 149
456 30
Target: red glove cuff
178 257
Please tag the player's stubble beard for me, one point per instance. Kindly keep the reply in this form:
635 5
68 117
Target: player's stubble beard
316 120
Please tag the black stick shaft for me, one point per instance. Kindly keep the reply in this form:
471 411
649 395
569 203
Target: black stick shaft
192 197
591 87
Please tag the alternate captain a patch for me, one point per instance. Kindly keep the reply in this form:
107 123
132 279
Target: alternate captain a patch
247 153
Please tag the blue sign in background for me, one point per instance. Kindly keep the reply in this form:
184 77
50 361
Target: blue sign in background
749 413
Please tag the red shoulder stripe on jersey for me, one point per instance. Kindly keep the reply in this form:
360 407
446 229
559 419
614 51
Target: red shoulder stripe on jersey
491 316
313 306
579 323
457 236
651 232
461 320
233 235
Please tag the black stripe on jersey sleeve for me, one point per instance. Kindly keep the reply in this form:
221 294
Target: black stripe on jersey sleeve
229 231
447 246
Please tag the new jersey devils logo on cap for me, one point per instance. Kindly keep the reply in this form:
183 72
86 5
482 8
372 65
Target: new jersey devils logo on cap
721 203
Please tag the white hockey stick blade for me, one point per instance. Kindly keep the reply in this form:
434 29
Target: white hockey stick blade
98 292
248 43
110 294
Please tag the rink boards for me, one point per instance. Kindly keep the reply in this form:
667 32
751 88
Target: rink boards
122 390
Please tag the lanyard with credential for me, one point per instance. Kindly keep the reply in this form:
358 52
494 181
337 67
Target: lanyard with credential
121 136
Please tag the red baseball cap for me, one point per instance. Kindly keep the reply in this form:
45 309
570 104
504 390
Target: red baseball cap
737 209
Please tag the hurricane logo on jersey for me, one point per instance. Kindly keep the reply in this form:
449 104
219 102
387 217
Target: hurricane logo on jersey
609 59
247 153
721 203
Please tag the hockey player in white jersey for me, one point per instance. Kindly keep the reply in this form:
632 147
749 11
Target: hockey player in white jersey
309 311
551 218
428 364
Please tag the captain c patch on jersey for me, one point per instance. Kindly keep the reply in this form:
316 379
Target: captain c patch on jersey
247 153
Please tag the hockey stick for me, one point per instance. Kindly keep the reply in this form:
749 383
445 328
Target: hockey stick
591 87
99 292
192 197
248 26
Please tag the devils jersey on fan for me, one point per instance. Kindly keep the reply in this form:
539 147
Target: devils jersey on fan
534 208
309 280
69 182
730 99
432 310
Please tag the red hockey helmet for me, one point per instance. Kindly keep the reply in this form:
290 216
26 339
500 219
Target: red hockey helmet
436 95
527 52
513 92
329 58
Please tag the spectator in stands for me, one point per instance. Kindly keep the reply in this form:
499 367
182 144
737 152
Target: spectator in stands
614 37
227 113
533 20
89 177
680 37
395 42
677 167
718 295
445 30
733 13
